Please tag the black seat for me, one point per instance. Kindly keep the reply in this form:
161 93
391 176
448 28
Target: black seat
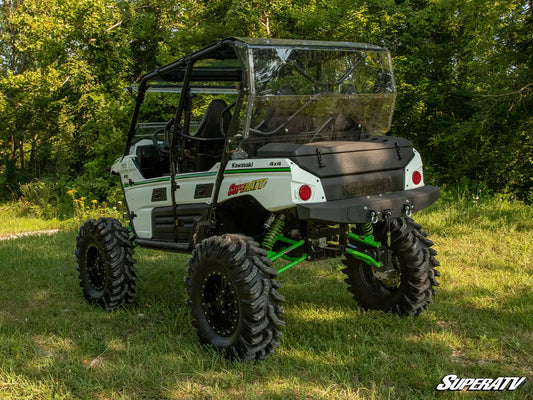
205 148
215 122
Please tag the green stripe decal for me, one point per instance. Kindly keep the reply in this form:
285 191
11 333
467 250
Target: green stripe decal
150 181
249 171
168 179
212 173
199 175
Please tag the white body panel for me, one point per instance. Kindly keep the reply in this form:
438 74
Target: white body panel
281 180
274 183
414 165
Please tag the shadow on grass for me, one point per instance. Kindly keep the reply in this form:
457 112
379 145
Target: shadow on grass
407 356
331 348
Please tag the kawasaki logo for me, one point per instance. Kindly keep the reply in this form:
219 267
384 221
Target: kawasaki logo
452 382
242 165
361 189
247 187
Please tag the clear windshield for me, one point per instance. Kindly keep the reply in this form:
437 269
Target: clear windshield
302 95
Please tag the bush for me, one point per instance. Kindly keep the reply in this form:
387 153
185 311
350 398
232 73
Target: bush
38 198
64 199
85 209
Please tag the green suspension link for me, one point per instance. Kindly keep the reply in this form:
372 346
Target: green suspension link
274 234
366 239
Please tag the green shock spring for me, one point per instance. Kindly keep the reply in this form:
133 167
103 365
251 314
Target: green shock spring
272 235
367 229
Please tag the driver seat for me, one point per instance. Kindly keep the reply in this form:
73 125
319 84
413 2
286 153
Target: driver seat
205 148
215 123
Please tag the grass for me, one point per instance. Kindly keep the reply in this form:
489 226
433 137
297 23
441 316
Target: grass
54 345
10 223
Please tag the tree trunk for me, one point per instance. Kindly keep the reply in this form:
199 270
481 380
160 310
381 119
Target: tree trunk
21 147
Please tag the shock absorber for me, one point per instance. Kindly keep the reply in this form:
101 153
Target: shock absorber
367 229
275 230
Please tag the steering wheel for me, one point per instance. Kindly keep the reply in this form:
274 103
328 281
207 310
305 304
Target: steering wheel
163 150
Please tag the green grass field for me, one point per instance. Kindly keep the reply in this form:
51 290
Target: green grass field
10 223
54 345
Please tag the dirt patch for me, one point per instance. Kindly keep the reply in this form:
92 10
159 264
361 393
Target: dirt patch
8 236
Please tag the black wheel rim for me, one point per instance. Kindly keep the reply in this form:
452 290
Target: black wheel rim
95 269
220 304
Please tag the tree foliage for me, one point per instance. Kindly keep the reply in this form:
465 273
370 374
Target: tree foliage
463 71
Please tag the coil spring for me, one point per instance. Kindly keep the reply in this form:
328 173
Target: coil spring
367 229
273 233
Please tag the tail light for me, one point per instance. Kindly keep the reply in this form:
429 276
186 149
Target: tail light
416 177
305 192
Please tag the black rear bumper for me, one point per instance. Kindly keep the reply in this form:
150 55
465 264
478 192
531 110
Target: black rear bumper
359 209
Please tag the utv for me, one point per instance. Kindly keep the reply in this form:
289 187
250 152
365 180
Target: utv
253 150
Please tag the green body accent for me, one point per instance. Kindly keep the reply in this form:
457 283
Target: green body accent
210 173
256 170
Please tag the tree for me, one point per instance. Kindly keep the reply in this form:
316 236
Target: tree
463 72
64 64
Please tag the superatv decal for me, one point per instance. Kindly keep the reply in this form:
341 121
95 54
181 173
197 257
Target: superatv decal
247 187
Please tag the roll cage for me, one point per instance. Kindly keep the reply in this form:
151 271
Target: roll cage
302 76
295 91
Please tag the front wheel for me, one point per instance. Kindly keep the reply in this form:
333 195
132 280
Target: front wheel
404 283
235 306
105 263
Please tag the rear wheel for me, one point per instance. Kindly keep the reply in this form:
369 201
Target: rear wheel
234 302
404 283
105 260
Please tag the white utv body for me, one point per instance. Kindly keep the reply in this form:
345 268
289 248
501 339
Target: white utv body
252 150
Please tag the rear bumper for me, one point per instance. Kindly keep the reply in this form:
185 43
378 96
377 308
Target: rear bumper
359 209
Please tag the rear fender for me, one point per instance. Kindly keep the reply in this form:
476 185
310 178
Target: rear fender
274 183
414 166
